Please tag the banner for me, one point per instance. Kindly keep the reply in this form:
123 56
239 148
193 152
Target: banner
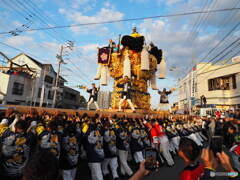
104 55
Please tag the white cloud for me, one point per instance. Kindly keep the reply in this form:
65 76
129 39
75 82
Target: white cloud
139 1
158 2
51 46
89 48
171 2
173 42
19 40
105 14
17 23
84 5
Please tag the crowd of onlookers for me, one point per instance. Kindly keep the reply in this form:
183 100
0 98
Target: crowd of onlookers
46 146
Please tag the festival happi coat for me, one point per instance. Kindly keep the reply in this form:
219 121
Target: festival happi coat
135 59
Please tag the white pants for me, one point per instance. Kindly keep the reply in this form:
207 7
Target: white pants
129 102
69 174
163 107
92 101
113 166
164 148
138 156
199 136
96 171
171 146
125 169
175 142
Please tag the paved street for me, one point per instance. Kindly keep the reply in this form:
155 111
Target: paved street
164 173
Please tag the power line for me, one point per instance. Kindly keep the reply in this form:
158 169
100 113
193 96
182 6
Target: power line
37 12
219 43
196 24
130 19
221 58
17 49
224 63
37 15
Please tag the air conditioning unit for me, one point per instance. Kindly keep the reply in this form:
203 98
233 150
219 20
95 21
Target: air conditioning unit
236 59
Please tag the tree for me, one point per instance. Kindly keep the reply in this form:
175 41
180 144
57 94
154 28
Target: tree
83 102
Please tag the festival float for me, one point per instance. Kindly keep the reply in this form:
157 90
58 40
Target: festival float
140 62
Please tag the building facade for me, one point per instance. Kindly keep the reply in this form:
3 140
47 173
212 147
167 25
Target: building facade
70 98
32 87
220 84
104 99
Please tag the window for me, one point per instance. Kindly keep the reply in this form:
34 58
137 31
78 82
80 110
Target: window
195 87
48 79
50 94
39 92
61 83
18 88
222 83
69 96
234 84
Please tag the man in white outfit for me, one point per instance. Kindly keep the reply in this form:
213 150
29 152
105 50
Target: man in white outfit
164 144
122 143
95 153
110 151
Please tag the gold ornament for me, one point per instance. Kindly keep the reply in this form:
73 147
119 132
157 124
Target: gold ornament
140 96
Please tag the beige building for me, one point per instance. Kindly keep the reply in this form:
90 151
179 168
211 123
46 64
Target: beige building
219 83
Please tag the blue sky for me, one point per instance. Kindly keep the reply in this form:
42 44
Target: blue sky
182 42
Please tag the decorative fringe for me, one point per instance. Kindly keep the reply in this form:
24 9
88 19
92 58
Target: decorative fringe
98 75
138 73
162 68
127 66
104 76
145 59
153 81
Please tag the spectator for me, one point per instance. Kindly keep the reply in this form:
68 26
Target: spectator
189 152
42 166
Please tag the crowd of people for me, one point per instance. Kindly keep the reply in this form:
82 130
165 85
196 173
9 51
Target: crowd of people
45 146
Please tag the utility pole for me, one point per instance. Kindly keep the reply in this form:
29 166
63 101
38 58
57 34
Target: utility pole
60 61
70 45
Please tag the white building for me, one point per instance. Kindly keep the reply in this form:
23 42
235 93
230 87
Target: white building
104 99
33 87
220 84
